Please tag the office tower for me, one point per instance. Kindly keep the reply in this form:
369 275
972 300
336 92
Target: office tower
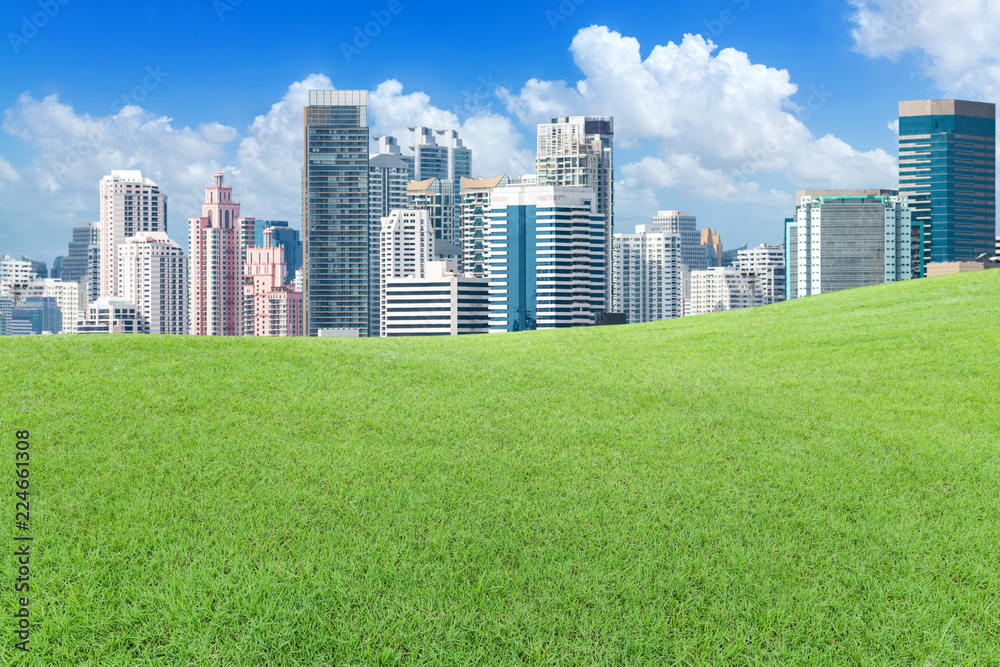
113 316
647 269
217 243
43 313
947 170
388 175
685 224
74 264
406 247
579 150
546 262
154 276
284 236
848 238
475 204
67 299
272 307
711 244
336 211
720 288
729 257
57 268
38 269
441 303
764 265
448 161
436 197
130 204
390 146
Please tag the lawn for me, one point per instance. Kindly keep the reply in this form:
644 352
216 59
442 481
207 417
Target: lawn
816 482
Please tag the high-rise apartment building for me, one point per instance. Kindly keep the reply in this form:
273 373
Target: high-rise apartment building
407 246
721 288
579 150
271 306
67 300
448 160
546 263
335 207
685 224
388 175
390 146
437 198
130 204
154 277
647 275
217 242
281 234
15 275
841 239
475 205
947 171
441 303
764 265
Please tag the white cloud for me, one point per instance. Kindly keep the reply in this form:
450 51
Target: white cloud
959 39
894 126
712 122
493 138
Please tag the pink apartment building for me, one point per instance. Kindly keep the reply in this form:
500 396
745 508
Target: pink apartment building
272 307
218 242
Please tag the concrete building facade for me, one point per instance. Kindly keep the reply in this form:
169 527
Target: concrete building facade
441 303
647 275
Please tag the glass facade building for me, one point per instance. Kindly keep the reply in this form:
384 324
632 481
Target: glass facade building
284 236
545 261
842 239
336 211
947 170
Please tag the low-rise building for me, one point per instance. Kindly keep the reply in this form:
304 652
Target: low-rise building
441 303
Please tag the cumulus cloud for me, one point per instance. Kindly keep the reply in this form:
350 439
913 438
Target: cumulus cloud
713 121
493 138
959 40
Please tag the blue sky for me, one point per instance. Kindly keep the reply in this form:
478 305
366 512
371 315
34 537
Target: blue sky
759 99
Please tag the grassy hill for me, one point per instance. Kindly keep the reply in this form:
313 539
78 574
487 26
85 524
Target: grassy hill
816 482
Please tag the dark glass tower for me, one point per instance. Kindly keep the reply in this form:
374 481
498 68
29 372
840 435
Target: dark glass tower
947 169
335 211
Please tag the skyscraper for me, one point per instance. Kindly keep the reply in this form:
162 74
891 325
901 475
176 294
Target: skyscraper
579 150
546 262
335 207
388 175
271 306
284 236
947 170
130 204
841 239
218 242
647 273
685 224
407 246
764 265
154 277
475 205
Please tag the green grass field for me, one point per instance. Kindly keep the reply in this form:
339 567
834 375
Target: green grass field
816 482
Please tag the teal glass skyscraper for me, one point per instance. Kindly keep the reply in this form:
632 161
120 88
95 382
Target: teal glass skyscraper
335 211
947 170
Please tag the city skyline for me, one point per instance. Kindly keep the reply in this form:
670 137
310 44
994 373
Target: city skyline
799 121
